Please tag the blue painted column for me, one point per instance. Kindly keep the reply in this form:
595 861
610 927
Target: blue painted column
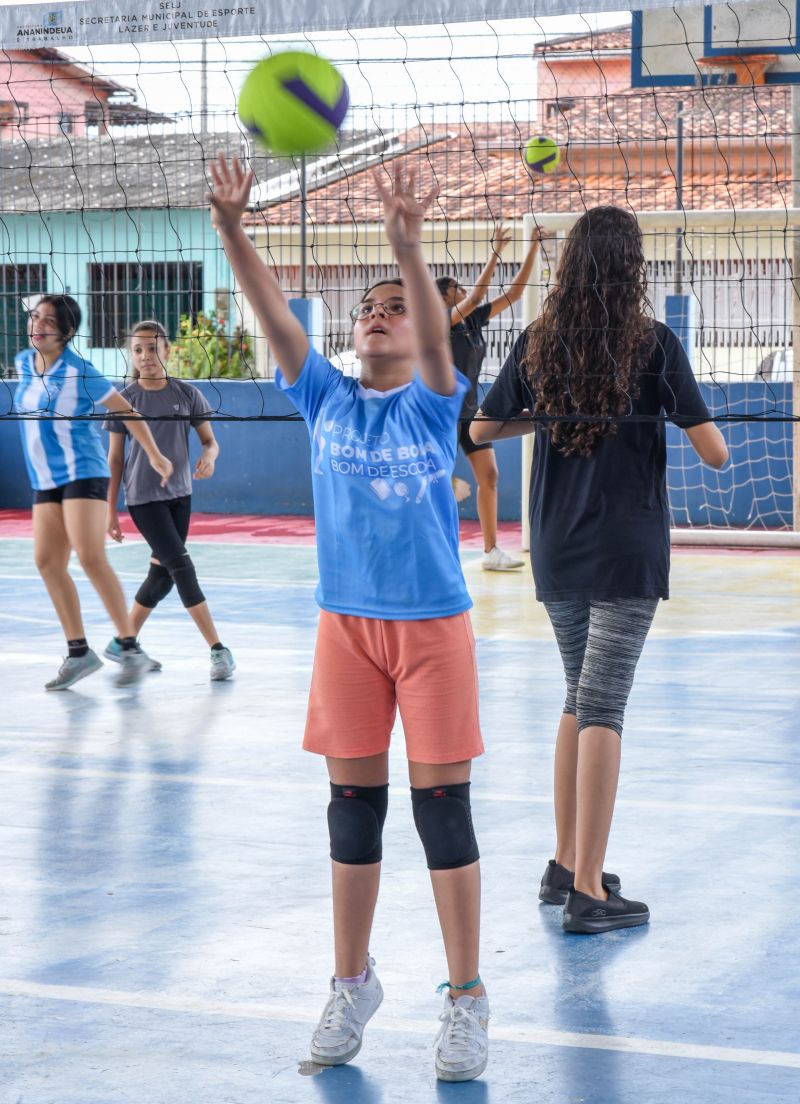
680 318
309 314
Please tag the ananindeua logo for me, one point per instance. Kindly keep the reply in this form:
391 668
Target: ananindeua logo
52 24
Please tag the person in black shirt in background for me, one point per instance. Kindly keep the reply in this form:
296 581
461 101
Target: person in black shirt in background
468 318
599 517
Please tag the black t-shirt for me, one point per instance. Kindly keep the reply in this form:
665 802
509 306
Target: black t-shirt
469 349
600 524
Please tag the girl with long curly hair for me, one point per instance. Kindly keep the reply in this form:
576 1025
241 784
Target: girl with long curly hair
595 377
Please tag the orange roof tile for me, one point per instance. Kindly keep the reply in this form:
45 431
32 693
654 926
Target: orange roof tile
614 38
617 148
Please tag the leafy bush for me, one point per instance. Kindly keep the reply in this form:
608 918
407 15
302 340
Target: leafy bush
203 350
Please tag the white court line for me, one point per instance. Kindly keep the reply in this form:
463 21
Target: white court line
313 787
26 620
530 1036
131 576
206 543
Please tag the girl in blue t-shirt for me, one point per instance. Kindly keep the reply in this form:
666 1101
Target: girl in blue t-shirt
599 520
58 394
394 629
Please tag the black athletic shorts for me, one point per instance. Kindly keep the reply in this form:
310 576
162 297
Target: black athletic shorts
466 442
78 488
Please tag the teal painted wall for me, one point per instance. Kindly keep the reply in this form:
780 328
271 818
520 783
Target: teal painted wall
68 242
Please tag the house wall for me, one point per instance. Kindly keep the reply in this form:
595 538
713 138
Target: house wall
68 242
741 285
579 76
49 89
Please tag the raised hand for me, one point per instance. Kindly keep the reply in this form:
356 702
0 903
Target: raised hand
231 192
500 238
540 234
403 213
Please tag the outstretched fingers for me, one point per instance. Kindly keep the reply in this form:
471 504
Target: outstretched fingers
384 192
241 176
231 181
220 169
429 197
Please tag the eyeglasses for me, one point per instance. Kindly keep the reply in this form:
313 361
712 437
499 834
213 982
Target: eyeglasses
395 305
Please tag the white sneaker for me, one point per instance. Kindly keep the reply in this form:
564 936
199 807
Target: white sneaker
461 489
222 665
462 1045
498 560
132 665
338 1035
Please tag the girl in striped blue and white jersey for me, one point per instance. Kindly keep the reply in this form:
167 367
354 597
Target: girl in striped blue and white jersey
58 395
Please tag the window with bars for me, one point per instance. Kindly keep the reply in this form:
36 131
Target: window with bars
12 112
17 282
120 295
93 113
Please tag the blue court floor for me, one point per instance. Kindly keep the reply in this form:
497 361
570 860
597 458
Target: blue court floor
165 919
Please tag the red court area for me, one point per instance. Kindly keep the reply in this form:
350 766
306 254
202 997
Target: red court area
253 529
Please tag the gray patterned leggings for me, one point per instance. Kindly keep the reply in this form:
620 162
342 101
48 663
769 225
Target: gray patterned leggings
600 645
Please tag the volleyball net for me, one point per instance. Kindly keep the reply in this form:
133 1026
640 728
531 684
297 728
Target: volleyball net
108 124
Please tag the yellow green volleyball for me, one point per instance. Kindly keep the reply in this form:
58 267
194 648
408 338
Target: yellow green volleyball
542 154
293 103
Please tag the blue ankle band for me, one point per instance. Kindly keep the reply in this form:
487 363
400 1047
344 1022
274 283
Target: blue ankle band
467 985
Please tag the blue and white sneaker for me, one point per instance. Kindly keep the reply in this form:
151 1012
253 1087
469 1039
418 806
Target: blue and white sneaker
113 650
73 669
222 665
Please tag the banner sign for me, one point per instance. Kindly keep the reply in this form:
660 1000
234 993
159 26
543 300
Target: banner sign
87 23
95 22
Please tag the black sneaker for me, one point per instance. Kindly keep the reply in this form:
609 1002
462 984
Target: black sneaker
557 882
589 916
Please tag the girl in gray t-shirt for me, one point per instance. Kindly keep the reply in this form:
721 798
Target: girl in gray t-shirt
161 514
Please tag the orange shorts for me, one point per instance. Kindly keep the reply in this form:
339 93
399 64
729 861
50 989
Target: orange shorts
364 668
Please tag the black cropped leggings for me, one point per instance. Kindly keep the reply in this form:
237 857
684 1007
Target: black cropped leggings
165 526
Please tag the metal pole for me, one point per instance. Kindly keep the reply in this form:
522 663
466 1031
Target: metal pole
531 306
203 88
679 200
796 311
303 216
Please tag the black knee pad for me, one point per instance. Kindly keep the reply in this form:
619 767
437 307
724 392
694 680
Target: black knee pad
443 818
156 586
184 576
355 822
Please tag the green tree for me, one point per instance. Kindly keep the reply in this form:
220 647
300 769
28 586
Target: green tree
203 350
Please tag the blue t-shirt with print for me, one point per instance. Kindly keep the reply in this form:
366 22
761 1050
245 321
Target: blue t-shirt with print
386 517
59 442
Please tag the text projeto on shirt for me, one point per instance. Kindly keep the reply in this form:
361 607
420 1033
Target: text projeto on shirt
381 459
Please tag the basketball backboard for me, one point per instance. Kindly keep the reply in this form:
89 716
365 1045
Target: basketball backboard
666 43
